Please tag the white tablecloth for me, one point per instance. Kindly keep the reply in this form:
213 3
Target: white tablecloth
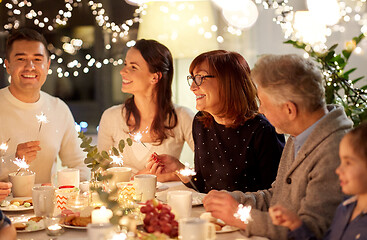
76 234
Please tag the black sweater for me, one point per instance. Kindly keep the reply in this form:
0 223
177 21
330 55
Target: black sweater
245 158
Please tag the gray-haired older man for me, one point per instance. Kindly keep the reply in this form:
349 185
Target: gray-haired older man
291 92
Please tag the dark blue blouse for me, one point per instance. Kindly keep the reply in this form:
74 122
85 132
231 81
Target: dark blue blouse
341 228
245 158
4 221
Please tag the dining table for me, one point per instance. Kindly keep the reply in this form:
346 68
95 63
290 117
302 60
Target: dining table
162 190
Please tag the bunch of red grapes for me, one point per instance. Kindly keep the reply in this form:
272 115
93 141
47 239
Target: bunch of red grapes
159 218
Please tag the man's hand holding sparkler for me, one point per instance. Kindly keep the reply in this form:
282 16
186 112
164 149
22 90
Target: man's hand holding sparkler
28 150
223 206
5 189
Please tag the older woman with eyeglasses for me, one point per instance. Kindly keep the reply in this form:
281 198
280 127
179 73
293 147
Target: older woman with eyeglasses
236 148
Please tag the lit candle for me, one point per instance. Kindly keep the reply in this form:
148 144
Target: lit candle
101 215
54 227
54 230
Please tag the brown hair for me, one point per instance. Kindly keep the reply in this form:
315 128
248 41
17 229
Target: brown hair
291 78
159 59
24 34
357 138
236 89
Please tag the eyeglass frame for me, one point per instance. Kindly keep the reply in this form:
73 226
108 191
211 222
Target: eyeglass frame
193 79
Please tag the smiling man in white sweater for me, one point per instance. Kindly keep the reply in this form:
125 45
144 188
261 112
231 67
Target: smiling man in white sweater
27 62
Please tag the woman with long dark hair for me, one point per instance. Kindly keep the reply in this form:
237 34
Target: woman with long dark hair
149 112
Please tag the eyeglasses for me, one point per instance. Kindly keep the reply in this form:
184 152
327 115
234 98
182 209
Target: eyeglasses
198 79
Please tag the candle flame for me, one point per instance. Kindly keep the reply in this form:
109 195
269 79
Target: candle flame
243 213
55 227
21 163
119 236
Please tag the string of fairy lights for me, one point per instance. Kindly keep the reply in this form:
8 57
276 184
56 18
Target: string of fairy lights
74 67
284 16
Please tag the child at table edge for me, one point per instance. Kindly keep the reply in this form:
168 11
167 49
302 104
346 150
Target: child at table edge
350 218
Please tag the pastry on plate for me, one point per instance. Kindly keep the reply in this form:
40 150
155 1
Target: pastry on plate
21 202
35 219
20 226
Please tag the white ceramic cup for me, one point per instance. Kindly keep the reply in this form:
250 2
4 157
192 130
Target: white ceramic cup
180 202
43 201
145 185
68 177
119 174
195 229
22 183
98 231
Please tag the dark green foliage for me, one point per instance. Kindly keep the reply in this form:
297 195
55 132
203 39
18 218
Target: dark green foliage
339 89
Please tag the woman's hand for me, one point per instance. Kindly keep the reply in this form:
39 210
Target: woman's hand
223 206
284 217
163 163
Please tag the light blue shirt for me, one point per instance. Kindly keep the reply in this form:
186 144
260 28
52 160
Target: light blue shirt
301 138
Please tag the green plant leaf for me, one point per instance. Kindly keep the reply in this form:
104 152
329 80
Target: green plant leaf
121 145
333 47
349 72
357 79
346 53
329 56
115 151
88 160
84 144
105 155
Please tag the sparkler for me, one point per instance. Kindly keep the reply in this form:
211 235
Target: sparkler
41 119
4 146
21 163
188 172
116 159
243 213
137 138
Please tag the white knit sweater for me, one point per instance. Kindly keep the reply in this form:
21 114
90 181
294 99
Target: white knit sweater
58 137
113 128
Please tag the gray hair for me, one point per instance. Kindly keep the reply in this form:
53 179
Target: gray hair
290 78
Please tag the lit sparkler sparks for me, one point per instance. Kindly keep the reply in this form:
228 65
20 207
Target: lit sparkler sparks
116 159
41 119
138 136
188 172
21 163
4 146
243 213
